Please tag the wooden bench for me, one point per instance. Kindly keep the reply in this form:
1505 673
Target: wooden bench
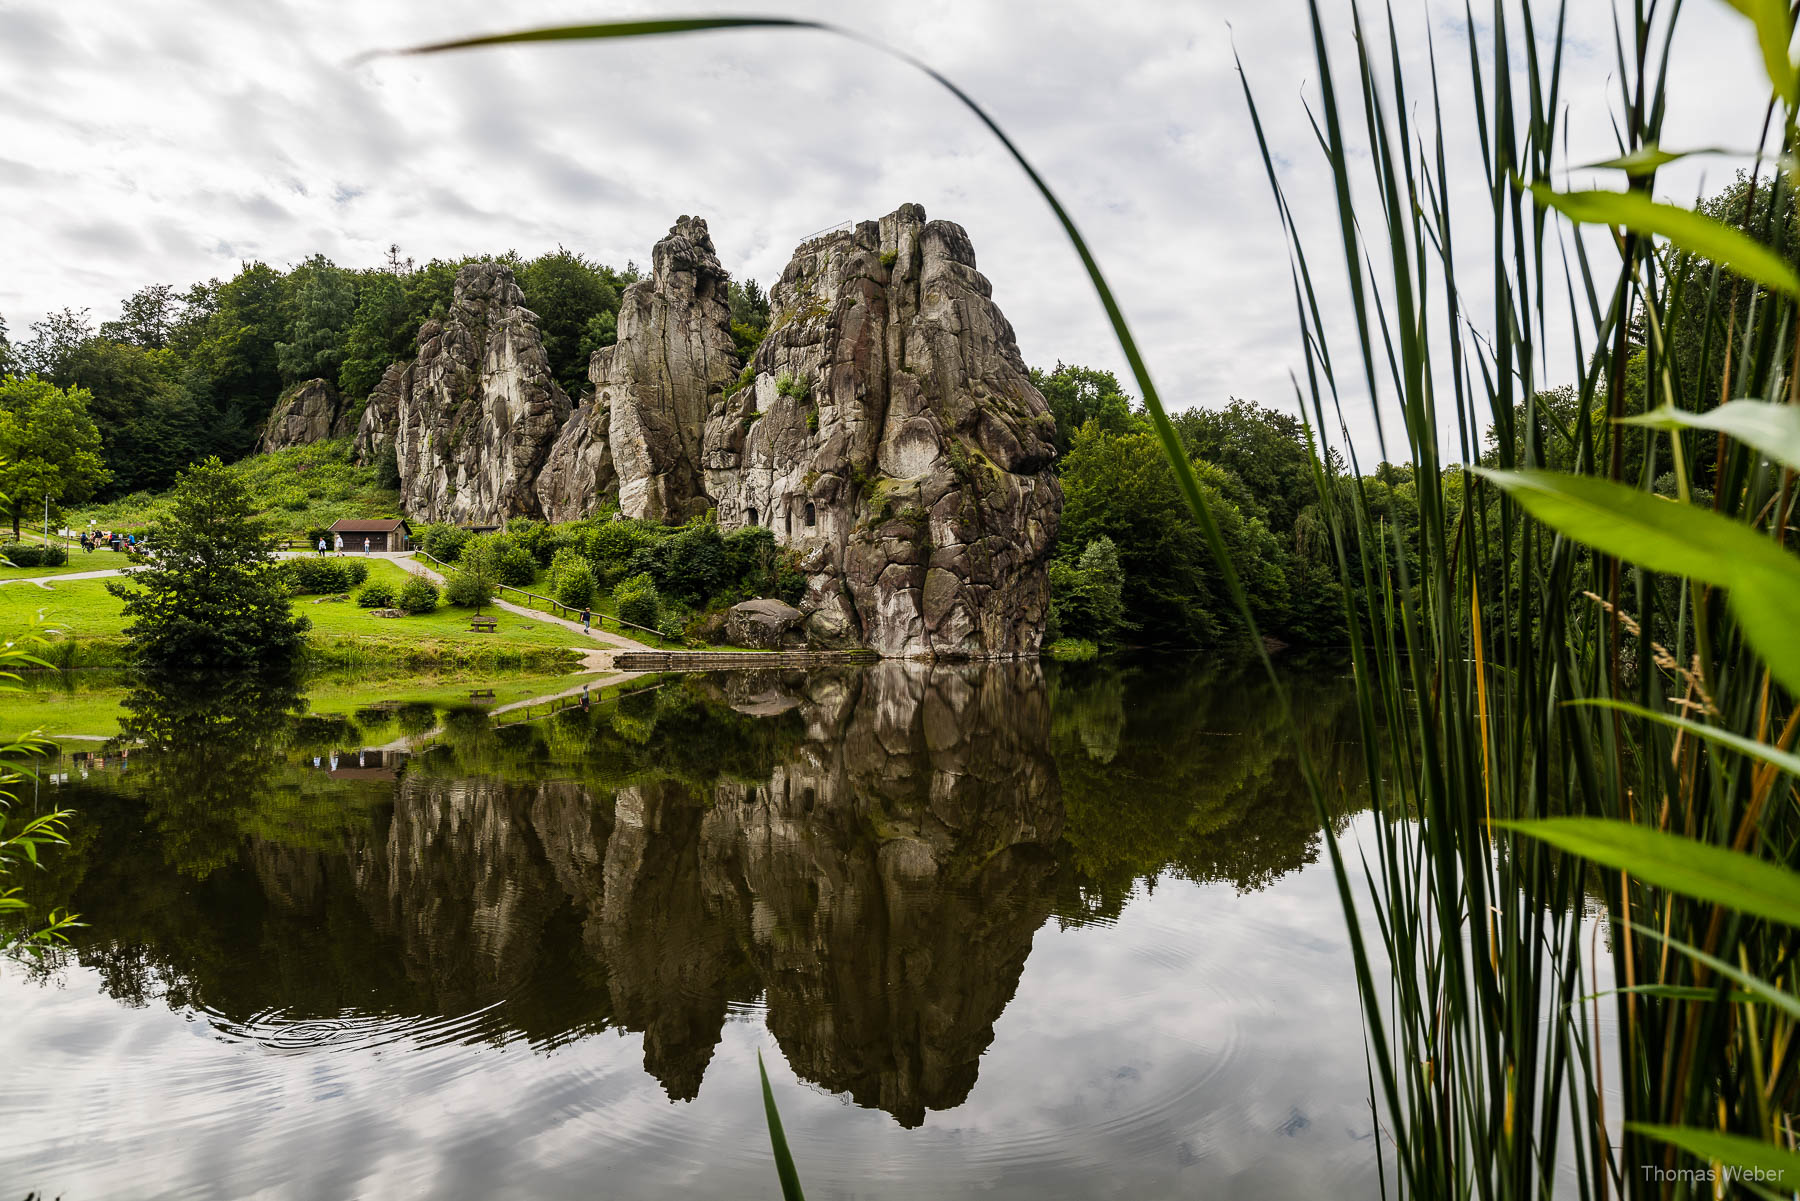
481 694
482 624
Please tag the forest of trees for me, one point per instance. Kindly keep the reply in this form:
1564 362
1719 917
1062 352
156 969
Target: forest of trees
183 374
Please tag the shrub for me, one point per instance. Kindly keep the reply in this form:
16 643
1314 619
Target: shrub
324 576
610 545
444 542
690 565
792 386
1072 650
638 601
672 625
417 595
378 595
517 566
574 579
467 590
26 554
534 536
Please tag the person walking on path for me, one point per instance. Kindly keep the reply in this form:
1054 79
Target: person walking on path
586 616
340 545
365 546
321 548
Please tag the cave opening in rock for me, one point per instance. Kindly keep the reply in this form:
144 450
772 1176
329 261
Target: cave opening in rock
811 517
751 518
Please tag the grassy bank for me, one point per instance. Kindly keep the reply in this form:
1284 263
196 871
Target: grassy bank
83 625
302 489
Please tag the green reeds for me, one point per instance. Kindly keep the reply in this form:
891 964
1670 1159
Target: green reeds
1524 592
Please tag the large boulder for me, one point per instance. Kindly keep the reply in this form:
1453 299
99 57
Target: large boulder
476 415
893 438
306 413
765 624
653 389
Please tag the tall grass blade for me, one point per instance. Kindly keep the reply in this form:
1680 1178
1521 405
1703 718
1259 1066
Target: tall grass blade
1774 756
1685 865
1773 429
784 1160
1774 34
1644 528
1688 230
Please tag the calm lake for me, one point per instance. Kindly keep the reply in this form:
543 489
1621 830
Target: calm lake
1006 931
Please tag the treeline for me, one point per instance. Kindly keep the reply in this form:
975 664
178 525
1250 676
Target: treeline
187 373
1131 566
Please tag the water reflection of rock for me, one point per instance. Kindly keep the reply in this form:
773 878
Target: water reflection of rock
887 883
871 851
881 887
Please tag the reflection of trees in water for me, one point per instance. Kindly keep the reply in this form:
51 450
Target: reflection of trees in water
870 850
208 746
1169 768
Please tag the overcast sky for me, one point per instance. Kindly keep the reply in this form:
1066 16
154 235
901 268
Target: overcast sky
168 142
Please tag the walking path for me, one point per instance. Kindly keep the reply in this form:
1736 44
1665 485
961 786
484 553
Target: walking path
600 660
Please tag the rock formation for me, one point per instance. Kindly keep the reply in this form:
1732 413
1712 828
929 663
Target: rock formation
653 390
381 416
764 623
893 438
475 416
887 430
306 413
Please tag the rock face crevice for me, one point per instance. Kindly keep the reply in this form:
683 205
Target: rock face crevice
887 429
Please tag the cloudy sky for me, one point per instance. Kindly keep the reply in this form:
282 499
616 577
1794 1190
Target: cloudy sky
170 141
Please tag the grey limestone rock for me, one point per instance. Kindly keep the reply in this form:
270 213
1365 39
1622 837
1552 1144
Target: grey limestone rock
306 413
764 623
479 410
892 437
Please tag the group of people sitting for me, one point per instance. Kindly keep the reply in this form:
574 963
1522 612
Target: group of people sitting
111 539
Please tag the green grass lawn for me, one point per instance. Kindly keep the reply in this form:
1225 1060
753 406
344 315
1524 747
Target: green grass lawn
82 610
343 619
79 560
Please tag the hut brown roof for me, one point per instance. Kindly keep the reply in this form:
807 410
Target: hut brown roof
379 525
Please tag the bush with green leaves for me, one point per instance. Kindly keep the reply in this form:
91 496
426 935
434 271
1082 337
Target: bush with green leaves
572 578
610 545
324 576
444 542
418 595
377 595
638 601
535 537
27 554
689 565
467 589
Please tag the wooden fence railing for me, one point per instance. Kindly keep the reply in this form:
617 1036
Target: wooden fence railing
568 612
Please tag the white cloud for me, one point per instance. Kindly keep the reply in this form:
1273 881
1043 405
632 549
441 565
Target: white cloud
166 142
